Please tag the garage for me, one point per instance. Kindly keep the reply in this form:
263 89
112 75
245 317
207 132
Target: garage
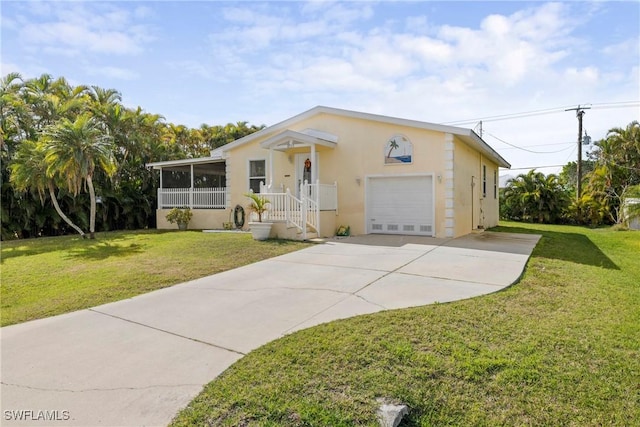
400 205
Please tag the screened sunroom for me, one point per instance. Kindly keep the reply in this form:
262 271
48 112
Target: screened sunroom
192 183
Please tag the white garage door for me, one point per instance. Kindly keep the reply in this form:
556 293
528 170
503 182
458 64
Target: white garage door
400 205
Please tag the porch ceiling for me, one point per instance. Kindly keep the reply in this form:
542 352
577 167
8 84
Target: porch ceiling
292 139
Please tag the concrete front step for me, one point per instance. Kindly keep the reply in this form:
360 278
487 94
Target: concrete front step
310 235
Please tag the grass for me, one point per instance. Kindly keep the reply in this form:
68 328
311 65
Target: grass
48 276
562 347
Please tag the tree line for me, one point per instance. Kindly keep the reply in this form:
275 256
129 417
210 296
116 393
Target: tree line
72 158
611 177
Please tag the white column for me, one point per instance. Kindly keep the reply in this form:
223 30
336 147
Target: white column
160 203
449 186
270 168
191 189
314 165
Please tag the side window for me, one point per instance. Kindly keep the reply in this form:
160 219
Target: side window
495 184
484 180
257 174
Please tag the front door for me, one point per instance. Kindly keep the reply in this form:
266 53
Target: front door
304 168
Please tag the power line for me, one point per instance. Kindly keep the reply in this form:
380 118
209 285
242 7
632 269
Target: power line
508 116
571 154
535 167
525 114
539 145
525 149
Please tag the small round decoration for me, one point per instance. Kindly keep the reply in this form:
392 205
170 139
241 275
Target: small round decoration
238 216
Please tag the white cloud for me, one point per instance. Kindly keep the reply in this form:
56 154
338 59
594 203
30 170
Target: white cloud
191 67
113 72
630 47
82 28
8 67
586 75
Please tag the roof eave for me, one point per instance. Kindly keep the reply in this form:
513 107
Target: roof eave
183 162
487 150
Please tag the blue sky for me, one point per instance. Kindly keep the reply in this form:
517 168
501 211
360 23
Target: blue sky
262 62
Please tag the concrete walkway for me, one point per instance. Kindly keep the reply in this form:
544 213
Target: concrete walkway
138 361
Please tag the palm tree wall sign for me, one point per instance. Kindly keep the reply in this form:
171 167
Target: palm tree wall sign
398 150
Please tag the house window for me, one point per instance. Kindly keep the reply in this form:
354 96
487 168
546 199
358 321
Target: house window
257 174
484 180
495 184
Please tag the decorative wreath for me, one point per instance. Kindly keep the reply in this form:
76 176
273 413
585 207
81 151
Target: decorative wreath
238 216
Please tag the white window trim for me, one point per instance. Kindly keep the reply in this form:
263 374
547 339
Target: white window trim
484 181
249 177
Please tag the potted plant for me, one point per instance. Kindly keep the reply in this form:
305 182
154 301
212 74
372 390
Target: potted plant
260 230
180 216
343 231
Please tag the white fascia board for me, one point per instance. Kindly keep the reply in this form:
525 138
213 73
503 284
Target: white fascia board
183 162
270 130
295 137
486 149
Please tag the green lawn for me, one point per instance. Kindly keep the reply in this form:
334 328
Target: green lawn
48 276
562 347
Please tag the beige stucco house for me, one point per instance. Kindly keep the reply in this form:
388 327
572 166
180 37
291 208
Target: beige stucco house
329 167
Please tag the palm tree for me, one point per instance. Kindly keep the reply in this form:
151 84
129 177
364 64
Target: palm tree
29 171
617 168
393 145
535 196
74 150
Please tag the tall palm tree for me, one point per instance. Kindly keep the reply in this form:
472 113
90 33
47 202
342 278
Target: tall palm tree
74 150
29 171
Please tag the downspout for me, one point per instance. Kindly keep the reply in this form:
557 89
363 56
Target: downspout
472 197
484 189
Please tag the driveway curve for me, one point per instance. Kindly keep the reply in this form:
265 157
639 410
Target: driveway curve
138 361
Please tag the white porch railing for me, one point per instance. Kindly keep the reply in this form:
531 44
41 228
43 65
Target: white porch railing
194 198
301 212
326 195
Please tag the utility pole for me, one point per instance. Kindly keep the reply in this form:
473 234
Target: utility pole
579 113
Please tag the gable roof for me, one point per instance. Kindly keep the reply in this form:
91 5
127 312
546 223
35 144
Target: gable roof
466 135
307 137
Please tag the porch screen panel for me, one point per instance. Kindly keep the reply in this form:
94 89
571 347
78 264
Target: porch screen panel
209 175
176 177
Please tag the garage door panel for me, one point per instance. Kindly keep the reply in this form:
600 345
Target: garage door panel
400 205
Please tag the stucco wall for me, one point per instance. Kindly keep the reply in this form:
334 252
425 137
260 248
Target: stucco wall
202 219
473 210
359 153
490 203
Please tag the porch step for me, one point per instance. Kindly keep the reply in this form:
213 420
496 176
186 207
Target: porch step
310 234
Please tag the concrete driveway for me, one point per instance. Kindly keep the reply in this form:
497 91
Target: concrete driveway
138 361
